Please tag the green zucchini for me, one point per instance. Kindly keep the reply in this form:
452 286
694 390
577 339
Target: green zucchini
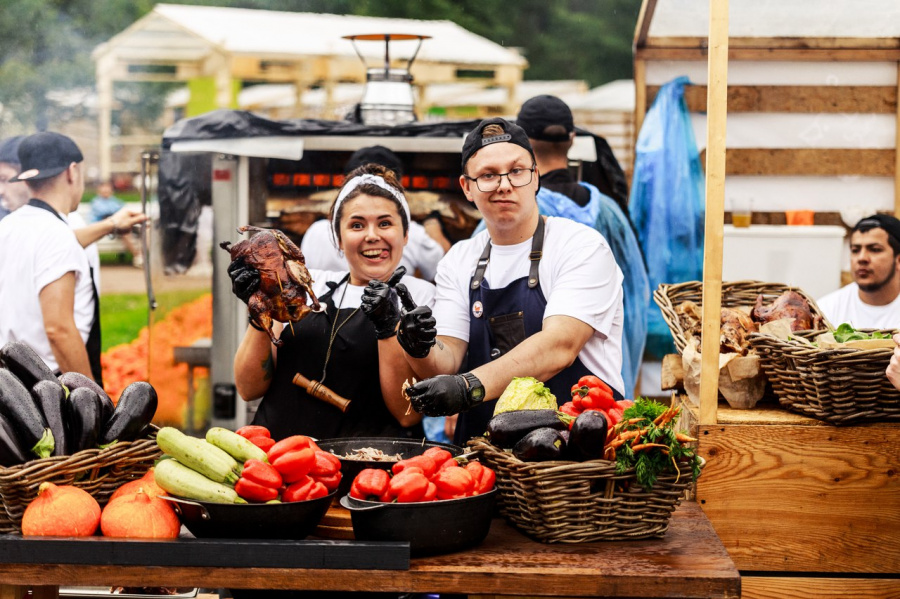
197 454
235 445
177 479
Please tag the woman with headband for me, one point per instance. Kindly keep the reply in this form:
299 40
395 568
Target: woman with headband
351 347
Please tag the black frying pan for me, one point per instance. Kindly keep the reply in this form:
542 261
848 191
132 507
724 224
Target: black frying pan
430 527
294 521
407 448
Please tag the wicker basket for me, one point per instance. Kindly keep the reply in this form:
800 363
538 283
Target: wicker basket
840 386
734 294
98 471
578 502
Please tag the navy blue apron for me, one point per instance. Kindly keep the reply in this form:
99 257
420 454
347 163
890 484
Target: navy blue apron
352 372
507 317
93 344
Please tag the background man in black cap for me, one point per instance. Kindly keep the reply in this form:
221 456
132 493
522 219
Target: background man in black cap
872 301
46 289
551 129
425 248
530 296
12 195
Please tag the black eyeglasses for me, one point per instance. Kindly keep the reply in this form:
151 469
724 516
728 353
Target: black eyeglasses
518 177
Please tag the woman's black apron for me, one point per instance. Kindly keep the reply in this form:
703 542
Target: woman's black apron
93 344
352 372
500 319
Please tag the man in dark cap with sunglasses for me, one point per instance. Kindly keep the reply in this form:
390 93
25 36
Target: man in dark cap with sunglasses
46 288
872 301
530 296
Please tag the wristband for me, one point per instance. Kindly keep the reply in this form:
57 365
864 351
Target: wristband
254 325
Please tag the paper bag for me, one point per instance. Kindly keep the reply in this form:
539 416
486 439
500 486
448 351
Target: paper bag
741 382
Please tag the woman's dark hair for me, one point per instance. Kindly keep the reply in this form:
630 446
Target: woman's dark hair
373 190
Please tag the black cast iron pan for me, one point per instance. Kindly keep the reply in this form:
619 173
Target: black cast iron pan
430 527
406 448
293 521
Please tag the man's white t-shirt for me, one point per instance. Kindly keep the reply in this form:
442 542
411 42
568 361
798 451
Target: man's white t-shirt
320 250
76 221
36 249
844 305
578 275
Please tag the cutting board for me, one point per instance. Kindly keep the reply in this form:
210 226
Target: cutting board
336 524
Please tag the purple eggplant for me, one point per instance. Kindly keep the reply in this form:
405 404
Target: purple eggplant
17 405
84 419
76 380
51 399
11 452
135 410
24 362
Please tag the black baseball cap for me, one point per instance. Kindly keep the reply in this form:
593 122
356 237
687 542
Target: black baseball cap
46 154
887 222
541 112
374 154
512 133
9 149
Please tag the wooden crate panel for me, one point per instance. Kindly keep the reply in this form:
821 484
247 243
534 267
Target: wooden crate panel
804 498
764 587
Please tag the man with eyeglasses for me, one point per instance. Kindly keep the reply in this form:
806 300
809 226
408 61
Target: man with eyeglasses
529 296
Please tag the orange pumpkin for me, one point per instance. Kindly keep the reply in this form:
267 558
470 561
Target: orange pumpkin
139 516
146 482
61 511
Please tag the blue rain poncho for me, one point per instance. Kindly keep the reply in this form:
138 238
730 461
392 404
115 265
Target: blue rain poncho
667 202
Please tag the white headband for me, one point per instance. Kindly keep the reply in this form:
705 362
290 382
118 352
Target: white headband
355 182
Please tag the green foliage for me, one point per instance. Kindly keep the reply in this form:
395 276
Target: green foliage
845 333
649 463
46 45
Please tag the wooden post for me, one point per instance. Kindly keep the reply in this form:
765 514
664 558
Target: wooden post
717 109
897 152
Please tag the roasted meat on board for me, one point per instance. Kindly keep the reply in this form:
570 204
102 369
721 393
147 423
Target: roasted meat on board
284 281
789 304
736 325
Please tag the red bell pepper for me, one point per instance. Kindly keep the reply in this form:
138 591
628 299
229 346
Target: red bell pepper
590 380
326 464
264 443
292 443
408 486
428 466
331 481
303 490
370 482
430 492
252 430
253 491
261 473
295 464
484 477
615 415
453 483
570 408
439 455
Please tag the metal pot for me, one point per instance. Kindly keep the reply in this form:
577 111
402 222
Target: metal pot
406 448
294 521
430 527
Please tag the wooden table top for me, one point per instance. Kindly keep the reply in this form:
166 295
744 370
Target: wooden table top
689 561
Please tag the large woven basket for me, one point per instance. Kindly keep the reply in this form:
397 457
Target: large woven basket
577 502
734 294
98 471
840 386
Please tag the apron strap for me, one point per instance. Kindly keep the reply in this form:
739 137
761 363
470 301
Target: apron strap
537 246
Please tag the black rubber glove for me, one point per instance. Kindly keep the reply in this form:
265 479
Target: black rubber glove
244 279
380 305
446 394
417 332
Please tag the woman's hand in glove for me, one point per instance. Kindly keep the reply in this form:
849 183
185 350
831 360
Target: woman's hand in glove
244 279
417 332
379 304
445 394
